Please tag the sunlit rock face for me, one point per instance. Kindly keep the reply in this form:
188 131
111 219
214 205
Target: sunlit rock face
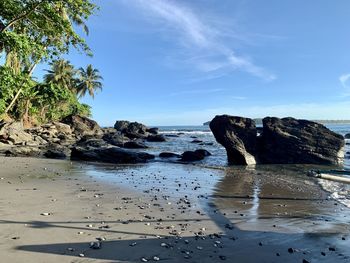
238 135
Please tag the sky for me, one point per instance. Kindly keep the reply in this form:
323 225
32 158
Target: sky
181 62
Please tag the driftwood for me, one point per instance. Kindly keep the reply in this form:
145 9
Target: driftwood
327 175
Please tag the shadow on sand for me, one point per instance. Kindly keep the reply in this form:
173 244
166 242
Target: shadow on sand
233 244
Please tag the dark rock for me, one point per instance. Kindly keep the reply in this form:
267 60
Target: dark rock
196 141
83 126
109 155
172 135
203 152
91 142
116 139
169 155
134 145
109 130
55 154
192 156
156 138
238 136
153 130
132 130
121 125
289 140
347 136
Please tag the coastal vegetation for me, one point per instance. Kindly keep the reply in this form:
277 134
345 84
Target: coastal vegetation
44 31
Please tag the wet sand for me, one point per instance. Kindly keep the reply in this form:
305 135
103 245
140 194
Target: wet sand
52 210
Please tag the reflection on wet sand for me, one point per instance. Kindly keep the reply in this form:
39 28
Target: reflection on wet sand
280 199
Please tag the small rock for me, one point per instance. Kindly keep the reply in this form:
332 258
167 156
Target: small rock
95 245
45 214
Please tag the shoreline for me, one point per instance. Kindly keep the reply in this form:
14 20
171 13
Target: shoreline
142 212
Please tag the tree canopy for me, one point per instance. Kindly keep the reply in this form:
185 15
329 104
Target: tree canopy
43 31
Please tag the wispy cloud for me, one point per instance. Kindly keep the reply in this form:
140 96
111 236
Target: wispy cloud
197 37
345 82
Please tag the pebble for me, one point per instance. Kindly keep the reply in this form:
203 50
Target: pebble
95 245
45 214
81 255
144 260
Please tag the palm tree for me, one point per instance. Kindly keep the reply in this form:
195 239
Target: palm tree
62 73
89 81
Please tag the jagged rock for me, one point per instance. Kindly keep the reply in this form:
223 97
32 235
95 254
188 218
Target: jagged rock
289 140
86 142
153 130
132 130
116 139
109 155
82 126
169 155
156 138
238 136
192 156
13 133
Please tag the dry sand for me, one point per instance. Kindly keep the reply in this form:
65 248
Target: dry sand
52 210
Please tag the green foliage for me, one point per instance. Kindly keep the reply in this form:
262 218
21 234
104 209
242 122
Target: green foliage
89 81
35 31
61 73
10 83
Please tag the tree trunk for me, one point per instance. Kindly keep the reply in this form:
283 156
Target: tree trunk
13 101
30 72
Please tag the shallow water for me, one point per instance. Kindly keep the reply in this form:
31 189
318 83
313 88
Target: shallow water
248 196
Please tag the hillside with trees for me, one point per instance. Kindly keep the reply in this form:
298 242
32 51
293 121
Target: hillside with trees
44 31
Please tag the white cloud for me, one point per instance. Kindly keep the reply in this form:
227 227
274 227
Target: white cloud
197 37
345 82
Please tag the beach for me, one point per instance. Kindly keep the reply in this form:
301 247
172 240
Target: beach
52 210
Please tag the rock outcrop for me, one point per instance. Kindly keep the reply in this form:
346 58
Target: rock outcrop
281 141
82 126
289 140
238 135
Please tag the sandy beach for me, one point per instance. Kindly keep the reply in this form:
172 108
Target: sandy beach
52 210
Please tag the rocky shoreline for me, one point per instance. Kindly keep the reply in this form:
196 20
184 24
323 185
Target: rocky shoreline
279 141
80 138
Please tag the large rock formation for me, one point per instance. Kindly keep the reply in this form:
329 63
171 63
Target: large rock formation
82 126
280 141
13 133
238 136
135 130
289 140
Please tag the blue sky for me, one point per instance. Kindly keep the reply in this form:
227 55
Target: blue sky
172 62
